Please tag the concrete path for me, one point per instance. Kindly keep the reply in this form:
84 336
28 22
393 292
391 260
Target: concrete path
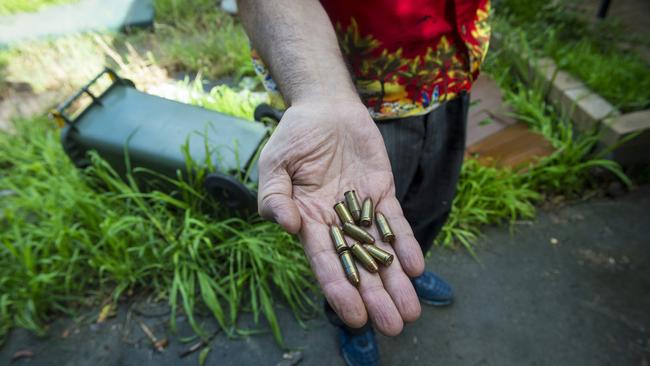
570 288
81 16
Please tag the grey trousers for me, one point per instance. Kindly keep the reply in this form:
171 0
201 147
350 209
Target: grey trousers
426 154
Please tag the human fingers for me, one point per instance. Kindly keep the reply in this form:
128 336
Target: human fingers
341 294
381 308
274 198
405 245
399 286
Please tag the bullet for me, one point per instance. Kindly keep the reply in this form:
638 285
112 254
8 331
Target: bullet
343 213
364 257
350 269
354 206
358 233
338 239
379 254
384 228
367 211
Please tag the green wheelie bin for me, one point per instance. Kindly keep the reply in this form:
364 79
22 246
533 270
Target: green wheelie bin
152 130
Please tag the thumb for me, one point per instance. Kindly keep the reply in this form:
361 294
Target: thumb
275 202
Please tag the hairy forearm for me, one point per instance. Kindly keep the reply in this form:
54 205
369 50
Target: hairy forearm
296 40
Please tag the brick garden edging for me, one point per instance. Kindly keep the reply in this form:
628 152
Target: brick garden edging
587 109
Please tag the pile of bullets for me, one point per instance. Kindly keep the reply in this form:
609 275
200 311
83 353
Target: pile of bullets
353 216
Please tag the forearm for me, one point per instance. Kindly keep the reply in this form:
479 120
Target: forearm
297 42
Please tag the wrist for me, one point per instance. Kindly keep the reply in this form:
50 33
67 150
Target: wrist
338 103
324 94
322 82
331 111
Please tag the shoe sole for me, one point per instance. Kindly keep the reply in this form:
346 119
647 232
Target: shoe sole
438 303
346 360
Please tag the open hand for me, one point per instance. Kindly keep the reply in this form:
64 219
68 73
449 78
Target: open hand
320 150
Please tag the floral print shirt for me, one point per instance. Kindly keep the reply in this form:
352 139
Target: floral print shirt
406 56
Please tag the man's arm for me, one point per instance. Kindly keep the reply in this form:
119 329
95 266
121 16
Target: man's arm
325 145
297 41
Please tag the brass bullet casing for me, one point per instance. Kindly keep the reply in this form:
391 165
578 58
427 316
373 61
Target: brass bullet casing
358 233
384 228
350 269
338 239
364 257
367 211
343 213
379 254
354 206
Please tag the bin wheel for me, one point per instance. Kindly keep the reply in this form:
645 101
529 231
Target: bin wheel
268 115
231 193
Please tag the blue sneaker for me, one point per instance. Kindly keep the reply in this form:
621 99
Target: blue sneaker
433 290
359 349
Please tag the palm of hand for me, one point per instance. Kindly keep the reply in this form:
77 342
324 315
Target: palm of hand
313 157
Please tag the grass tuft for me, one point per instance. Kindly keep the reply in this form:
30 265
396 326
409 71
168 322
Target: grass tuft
485 196
195 36
70 237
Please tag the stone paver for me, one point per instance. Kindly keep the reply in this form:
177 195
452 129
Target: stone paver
562 81
586 108
617 129
540 70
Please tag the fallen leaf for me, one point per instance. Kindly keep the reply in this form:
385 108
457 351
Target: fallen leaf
22 354
107 311
160 345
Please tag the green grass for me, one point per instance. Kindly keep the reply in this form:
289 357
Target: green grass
591 53
223 99
8 7
196 36
174 11
484 196
70 238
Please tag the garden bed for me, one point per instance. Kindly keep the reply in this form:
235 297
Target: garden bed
595 86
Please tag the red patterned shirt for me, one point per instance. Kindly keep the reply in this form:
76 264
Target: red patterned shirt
408 56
